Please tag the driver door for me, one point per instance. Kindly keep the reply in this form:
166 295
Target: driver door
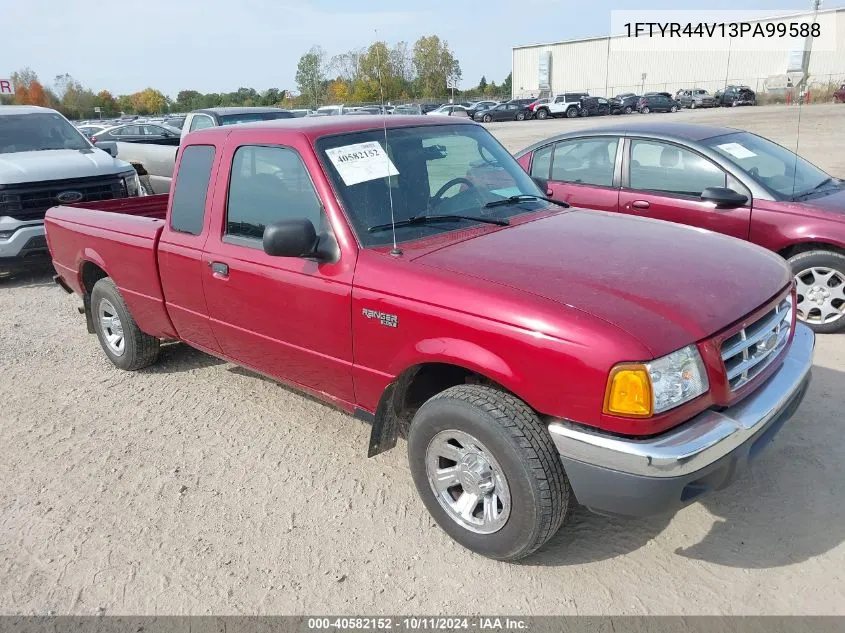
664 181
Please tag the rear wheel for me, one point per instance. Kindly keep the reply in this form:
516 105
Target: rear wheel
520 116
673 109
628 110
146 185
645 110
488 471
572 112
126 346
820 287
487 118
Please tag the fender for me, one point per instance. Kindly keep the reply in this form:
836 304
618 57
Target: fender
448 351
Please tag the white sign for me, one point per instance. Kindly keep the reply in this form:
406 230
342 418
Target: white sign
452 82
361 162
736 150
7 87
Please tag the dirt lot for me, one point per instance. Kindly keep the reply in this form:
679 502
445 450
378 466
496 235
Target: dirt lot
196 487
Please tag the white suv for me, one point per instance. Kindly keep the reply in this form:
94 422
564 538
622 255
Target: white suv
567 104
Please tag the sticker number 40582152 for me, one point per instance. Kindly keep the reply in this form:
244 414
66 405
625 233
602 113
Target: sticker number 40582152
361 162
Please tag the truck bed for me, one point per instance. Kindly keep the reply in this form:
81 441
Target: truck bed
82 239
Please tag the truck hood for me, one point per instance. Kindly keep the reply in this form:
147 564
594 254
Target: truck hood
58 164
666 284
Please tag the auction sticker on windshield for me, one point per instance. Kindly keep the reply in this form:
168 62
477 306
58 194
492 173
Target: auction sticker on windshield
736 150
361 162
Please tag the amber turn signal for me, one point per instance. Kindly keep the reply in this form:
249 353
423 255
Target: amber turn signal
628 392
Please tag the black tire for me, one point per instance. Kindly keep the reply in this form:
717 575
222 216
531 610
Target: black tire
146 185
520 116
572 112
802 263
140 349
673 109
487 118
539 490
644 110
542 114
628 110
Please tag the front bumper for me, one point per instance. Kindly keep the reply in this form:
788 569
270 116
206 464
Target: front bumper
25 248
632 477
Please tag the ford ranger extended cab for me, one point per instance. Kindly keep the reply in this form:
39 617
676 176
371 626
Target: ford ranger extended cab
45 161
411 273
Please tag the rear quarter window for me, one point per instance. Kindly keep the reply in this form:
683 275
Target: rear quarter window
187 210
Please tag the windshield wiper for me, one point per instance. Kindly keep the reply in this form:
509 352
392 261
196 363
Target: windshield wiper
824 183
524 197
431 219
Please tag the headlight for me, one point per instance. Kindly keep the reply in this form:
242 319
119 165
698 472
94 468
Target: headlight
644 389
132 184
5 235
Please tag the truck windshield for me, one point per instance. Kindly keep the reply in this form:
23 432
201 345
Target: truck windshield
781 171
430 170
37 131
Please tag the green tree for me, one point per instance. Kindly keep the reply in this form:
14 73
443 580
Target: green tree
107 104
311 74
434 64
507 87
482 85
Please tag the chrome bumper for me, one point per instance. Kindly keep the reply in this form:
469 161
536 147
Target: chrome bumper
705 439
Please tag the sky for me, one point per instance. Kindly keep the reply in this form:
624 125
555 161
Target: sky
221 45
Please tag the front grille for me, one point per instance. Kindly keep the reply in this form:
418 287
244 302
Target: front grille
752 349
31 201
37 241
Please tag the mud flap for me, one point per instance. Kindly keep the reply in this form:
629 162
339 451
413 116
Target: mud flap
385 429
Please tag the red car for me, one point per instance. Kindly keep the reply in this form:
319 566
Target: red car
716 178
533 354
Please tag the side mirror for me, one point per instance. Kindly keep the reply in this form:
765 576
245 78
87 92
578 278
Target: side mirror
109 147
291 238
723 197
543 184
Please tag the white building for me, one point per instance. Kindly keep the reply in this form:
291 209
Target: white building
606 66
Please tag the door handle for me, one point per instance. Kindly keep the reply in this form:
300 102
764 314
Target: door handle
219 269
640 204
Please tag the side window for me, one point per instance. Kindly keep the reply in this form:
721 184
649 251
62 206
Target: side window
671 169
187 210
560 99
542 162
200 122
588 161
268 184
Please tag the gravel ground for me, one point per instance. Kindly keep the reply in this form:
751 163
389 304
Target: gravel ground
196 487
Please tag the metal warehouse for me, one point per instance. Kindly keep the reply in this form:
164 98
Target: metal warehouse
606 66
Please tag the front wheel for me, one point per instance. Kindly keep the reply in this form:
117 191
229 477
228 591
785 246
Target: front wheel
126 346
645 110
820 287
692 106
487 118
488 471
520 116
542 114
628 110
673 109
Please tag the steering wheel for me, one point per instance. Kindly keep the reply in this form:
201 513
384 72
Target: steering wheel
754 172
437 198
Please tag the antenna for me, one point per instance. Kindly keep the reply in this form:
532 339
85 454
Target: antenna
395 251
797 140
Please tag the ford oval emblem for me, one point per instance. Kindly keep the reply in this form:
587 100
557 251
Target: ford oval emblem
67 197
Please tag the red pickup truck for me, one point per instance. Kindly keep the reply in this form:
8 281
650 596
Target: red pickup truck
411 273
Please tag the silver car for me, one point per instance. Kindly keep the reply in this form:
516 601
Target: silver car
696 98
